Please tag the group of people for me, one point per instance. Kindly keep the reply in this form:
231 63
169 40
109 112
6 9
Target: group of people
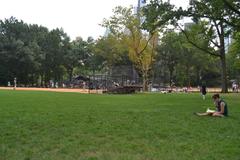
14 83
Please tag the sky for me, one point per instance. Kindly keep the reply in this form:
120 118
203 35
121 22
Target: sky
78 18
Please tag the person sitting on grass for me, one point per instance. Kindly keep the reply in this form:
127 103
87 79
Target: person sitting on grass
221 108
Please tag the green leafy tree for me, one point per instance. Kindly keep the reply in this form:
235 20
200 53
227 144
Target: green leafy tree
94 62
111 50
233 11
209 15
233 57
38 35
127 27
215 31
169 52
17 51
73 56
196 60
180 62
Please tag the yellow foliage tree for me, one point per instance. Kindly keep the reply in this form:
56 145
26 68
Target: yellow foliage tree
141 45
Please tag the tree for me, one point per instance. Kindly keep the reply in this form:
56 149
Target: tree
38 36
169 52
233 57
213 12
111 50
32 53
180 62
209 14
197 59
233 10
127 27
75 56
18 51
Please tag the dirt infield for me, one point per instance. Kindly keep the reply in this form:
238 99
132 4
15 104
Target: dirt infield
86 91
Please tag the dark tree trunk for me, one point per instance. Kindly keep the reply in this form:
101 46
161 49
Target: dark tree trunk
170 75
223 61
41 77
188 77
198 71
224 74
70 74
145 81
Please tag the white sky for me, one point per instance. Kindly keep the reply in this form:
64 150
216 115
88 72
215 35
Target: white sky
76 17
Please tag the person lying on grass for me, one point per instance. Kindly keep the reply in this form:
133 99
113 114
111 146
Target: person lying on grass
221 108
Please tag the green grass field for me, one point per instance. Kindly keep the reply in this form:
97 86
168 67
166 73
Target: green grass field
70 126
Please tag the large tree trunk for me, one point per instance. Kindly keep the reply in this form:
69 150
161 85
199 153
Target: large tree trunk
41 80
188 83
145 81
223 61
224 74
171 76
199 75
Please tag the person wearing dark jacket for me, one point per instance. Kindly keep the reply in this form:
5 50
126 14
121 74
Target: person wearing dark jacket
203 91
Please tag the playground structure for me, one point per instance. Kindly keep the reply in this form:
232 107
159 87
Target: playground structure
108 84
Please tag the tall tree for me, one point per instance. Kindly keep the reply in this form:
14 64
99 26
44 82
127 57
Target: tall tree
72 56
18 50
233 57
213 12
210 15
110 49
127 26
169 52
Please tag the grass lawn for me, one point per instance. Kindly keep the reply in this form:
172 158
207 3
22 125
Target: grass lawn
38 125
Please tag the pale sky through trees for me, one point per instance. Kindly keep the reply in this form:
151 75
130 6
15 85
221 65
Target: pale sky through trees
76 17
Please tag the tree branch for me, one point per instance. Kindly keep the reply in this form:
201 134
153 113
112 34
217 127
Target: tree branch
217 45
197 46
231 7
151 35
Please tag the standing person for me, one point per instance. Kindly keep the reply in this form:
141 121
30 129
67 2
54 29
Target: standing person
221 108
56 85
234 86
203 91
15 83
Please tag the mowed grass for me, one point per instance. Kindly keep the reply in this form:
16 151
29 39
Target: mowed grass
71 126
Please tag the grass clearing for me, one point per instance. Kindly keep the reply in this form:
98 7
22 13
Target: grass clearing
63 126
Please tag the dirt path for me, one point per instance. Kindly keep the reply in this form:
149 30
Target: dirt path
54 90
86 91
